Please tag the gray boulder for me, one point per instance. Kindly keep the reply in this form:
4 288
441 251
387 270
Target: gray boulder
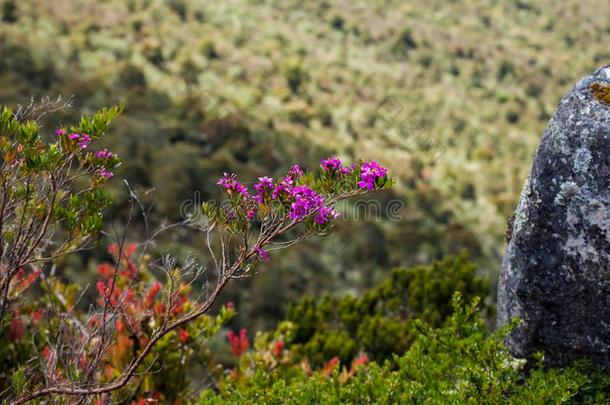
556 271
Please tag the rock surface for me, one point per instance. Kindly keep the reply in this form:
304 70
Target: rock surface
556 271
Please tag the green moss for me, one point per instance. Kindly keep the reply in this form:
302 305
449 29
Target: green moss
601 93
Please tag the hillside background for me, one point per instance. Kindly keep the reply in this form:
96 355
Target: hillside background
452 96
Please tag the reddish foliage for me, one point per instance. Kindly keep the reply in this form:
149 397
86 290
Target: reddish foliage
17 329
47 352
278 348
37 315
128 250
120 326
159 308
135 305
183 336
359 361
239 343
330 365
150 297
22 282
105 270
177 303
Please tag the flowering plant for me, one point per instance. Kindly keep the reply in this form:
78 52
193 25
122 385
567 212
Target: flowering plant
48 211
51 188
255 219
96 347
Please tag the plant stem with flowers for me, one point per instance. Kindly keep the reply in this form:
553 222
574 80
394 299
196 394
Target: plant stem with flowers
47 207
249 226
252 223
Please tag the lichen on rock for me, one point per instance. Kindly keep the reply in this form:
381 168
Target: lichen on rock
601 93
556 270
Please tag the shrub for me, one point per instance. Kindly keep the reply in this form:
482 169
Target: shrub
73 346
404 43
378 322
52 192
294 73
9 12
51 202
459 363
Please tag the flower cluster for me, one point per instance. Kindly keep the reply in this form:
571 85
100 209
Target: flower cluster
295 172
301 199
264 188
370 172
296 197
334 165
104 154
105 173
283 188
83 139
306 200
326 214
230 183
331 164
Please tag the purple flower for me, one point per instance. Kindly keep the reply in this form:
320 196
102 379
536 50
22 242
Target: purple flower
73 136
366 184
264 184
345 170
230 214
84 141
105 173
103 154
326 214
250 214
295 172
306 200
308 193
229 183
284 187
331 164
299 209
59 132
262 254
370 172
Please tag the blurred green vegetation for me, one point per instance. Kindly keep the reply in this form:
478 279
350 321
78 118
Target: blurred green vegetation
379 322
450 95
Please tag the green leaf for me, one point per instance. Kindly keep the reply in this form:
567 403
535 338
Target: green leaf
19 381
27 132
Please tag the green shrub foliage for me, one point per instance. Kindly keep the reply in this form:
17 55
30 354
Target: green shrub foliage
379 321
459 363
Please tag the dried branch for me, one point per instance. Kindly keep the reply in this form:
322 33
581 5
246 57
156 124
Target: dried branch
36 109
